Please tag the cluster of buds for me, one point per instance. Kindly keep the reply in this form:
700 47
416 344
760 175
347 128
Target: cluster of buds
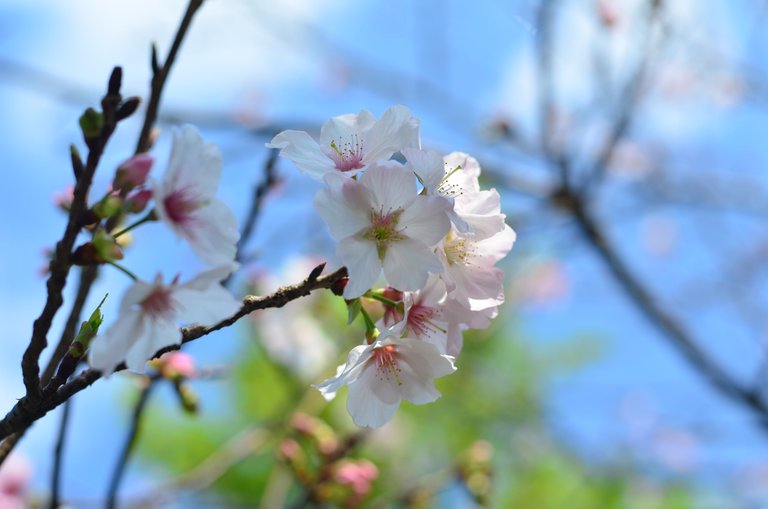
318 458
428 227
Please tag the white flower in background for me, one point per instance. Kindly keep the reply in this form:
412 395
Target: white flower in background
185 199
381 222
293 335
350 142
150 314
384 373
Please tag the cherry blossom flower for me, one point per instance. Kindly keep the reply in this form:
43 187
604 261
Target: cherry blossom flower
350 142
15 476
185 199
150 314
427 318
381 222
470 275
384 373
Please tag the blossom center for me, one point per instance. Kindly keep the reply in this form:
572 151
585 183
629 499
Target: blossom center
158 304
347 156
448 188
383 230
386 363
420 320
180 205
458 250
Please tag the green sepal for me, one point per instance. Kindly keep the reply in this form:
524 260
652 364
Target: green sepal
353 309
88 331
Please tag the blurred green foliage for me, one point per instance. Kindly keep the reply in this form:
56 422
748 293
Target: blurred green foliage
485 443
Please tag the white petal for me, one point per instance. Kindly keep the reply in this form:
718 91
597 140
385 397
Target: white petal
395 130
428 165
304 151
206 306
482 212
425 219
343 206
392 186
467 177
194 164
110 348
493 249
363 405
213 234
407 264
156 334
363 265
347 372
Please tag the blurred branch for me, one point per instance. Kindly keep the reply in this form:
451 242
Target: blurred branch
630 96
160 75
245 444
58 456
643 299
27 411
130 440
257 201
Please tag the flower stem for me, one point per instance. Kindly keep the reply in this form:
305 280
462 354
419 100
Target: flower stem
379 297
124 270
371 332
149 217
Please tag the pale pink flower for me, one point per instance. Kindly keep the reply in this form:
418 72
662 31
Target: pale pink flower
150 314
382 374
185 199
381 222
427 318
15 476
349 143
469 274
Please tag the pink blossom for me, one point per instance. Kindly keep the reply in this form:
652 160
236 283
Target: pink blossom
185 199
357 474
381 222
150 314
350 142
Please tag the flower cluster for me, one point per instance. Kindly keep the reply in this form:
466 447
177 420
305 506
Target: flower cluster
433 232
150 312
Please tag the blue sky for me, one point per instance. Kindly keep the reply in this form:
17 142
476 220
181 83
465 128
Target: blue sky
246 64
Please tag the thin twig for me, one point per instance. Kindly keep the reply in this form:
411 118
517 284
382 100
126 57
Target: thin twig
130 442
58 456
88 276
25 412
160 75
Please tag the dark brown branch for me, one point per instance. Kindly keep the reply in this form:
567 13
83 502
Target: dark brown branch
25 412
130 442
87 277
61 262
160 75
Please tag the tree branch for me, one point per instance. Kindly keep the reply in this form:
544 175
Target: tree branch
26 411
160 75
130 442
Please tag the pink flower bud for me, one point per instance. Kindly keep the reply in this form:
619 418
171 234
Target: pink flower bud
357 475
137 201
177 364
133 172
